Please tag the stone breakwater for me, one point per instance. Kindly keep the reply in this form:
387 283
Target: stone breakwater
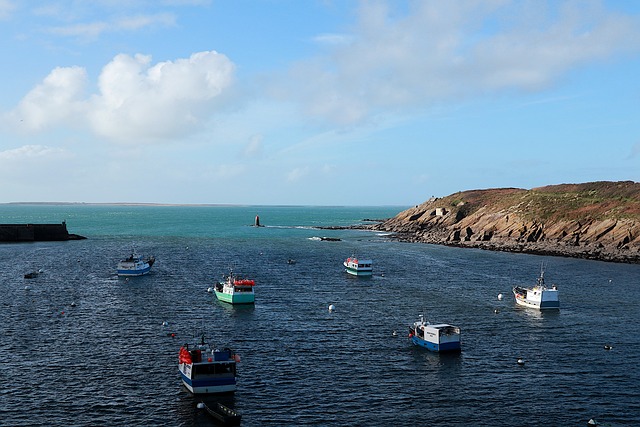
15 233
615 240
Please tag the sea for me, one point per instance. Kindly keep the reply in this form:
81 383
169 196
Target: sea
82 347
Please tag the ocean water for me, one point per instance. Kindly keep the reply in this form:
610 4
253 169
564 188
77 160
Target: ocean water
81 346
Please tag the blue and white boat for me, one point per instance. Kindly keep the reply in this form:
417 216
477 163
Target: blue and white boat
135 265
539 297
207 370
439 337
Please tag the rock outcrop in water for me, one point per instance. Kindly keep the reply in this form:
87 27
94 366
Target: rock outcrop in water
597 220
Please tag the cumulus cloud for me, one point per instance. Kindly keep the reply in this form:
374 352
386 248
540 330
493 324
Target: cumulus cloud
57 99
136 101
449 50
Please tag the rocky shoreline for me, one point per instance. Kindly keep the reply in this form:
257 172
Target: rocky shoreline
596 221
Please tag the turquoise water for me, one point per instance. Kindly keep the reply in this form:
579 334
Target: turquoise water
84 347
100 221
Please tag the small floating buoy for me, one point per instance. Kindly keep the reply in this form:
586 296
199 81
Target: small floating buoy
592 422
394 333
607 347
165 323
73 304
331 307
496 311
499 297
200 405
520 362
209 289
26 288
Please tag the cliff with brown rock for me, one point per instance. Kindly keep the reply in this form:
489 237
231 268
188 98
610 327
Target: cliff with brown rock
597 220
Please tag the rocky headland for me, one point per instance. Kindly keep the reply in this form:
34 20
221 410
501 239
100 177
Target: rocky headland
597 220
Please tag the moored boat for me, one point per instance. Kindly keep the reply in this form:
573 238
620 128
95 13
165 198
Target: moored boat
223 414
33 274
235 290
207 370
440 337
135 265
358 267
539 296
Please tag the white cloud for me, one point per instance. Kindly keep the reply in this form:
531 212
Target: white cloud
57 99
130 23
6 9
136 101
29 152
297 174
254 147
439 51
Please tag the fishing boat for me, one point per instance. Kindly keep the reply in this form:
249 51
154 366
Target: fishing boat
358 267
33 274
135 265
207 370
539 297
235 290
222 414
440 337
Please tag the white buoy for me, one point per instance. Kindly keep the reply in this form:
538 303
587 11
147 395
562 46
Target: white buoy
200 405
165 323
331 307
26 288
520 362
592 422
499 297
607 347
209 290
73 304
394 333
496 311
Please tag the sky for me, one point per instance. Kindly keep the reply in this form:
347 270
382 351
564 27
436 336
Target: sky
313 102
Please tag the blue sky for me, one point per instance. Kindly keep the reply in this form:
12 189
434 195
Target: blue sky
313 102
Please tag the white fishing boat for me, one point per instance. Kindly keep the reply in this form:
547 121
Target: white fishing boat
235 290
440 337
135 265
207 370
539 296
358 267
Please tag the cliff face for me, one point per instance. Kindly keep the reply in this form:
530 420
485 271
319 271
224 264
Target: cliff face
598 220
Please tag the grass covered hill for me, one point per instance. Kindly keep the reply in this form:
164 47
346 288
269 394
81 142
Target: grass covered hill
596 220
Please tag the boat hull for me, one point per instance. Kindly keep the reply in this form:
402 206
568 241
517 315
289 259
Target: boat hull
539 299
437 347
355 272
209 386
236 298
134 272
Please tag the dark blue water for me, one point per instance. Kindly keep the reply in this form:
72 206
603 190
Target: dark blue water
109 361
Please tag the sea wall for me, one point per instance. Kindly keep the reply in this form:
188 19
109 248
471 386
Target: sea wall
12 233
